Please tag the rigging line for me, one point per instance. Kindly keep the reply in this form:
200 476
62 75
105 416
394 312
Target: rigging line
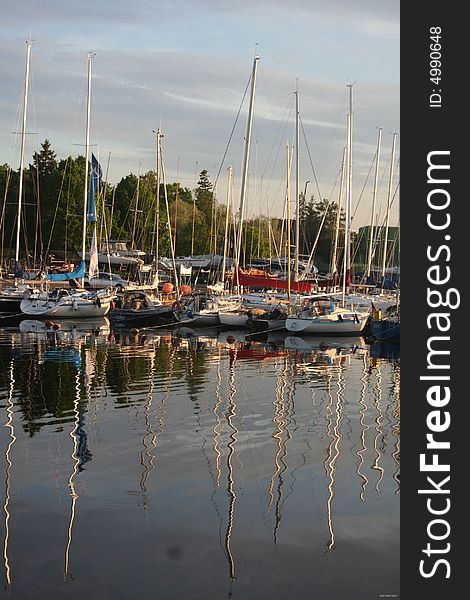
231 136
363 188
378 240
282 123
310 159
227 148
68 160
276 160
338 121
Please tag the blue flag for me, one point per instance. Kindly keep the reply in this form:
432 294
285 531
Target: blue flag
95 177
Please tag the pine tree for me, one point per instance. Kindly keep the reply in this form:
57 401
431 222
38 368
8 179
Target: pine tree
45 161
204 195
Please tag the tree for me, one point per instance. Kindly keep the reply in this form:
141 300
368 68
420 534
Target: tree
44 162
204 195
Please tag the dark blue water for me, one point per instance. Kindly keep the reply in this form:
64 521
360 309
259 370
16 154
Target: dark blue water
149 465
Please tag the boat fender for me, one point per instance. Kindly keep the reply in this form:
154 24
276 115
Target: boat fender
74 305
230 339
56 326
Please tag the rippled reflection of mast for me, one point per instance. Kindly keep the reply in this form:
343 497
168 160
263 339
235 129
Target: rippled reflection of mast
217 451
9 425
396 426
75 458
231 448
146 458
278 421
378 428
365 427
335 441
215 429
284 421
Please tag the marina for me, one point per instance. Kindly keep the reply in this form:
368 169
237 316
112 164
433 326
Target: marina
199 312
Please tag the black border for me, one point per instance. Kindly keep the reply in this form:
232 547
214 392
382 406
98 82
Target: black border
425 129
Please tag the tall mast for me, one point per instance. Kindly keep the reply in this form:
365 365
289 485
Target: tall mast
246 156
334 267
23 137
227 214
374 200
389 201
136 210
297 173
170 235
87 154
347 244
288 170
156 221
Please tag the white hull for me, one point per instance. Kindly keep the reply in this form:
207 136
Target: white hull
326 325
233 319
69 307
117 259
65 329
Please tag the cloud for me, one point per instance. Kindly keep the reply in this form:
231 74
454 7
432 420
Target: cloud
150 67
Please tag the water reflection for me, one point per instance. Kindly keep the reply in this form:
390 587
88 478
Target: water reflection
297 428
12 439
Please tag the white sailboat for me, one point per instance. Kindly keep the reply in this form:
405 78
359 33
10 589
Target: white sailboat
239 317
66 303
11 297
319 315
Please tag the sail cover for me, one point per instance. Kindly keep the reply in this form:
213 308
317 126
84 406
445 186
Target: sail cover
77 274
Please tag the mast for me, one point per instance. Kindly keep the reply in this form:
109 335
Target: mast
389 201
87 155
23 137
297 172
246 156
347 237
229 193
136 210
374 199
289 165
156 221
334 267
170 235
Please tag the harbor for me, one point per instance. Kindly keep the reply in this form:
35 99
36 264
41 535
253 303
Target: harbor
200 310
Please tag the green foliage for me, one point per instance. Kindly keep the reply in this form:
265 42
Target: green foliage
53 215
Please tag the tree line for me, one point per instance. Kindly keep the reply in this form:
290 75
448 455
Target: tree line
131 211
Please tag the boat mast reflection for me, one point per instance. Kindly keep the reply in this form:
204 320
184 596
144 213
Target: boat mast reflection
334 451
229 415
75 469
378 428
12 439
364 427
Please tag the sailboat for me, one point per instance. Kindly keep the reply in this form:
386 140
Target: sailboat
320 315
67 303
11 297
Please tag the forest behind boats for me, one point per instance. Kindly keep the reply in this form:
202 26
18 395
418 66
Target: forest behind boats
52 220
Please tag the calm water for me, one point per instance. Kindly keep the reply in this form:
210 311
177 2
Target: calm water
153 466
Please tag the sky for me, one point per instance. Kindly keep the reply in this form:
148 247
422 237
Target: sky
184 65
